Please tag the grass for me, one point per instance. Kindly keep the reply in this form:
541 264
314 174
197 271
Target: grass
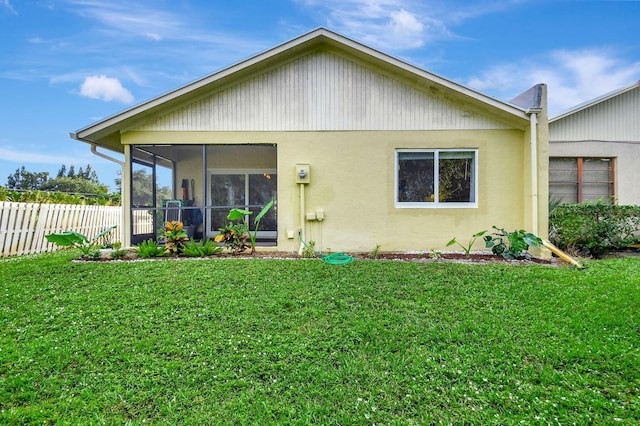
301 342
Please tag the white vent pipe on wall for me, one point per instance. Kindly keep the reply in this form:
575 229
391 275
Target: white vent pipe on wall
533 120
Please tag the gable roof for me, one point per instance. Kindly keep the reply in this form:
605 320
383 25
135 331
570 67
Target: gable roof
107 132
596 101
610 117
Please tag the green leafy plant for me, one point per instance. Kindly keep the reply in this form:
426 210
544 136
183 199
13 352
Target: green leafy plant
554 203
45 197
256 222
594 228
375 253
87 246
435 254
202 249
467 248
309 250
118 252
176 236
511 245
235 235
150 248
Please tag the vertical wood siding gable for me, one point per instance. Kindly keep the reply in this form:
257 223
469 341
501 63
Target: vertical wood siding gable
321 91
615 119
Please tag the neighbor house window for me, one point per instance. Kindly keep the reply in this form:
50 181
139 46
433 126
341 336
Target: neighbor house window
436 178
579 179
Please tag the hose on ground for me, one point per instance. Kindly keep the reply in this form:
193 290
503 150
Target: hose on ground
331 259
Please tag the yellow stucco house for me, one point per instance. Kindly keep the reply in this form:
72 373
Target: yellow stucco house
358 148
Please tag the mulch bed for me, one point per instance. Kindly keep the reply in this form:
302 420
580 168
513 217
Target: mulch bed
472 258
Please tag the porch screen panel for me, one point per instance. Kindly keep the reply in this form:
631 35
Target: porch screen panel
227 192
142 185
262 189
142 221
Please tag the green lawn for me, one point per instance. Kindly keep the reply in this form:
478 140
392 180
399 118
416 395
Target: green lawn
302 342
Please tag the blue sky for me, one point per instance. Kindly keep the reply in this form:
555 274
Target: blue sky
65 64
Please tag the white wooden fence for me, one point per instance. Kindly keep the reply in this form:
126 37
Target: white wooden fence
23 226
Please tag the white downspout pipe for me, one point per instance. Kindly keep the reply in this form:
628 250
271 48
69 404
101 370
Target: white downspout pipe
302 224
533 120
94 150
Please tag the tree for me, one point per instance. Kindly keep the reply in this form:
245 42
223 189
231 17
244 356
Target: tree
80 182
86 174
67 180
142 189
22 179
75 185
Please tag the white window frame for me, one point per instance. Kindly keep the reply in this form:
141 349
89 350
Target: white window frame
436 203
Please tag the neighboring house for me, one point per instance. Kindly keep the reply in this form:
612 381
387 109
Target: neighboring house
594 150
359 149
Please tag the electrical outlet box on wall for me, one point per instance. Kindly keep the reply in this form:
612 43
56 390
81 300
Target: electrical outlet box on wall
303 173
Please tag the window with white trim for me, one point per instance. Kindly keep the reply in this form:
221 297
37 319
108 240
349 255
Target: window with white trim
436 178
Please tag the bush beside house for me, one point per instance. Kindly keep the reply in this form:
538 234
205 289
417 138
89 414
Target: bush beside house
46 197
594 228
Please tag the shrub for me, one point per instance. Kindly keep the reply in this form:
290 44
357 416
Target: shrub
375 253
205 248
511 245
176 236
150 248
594 228
309 250
118 252
235 237
88 247
233 234
46 197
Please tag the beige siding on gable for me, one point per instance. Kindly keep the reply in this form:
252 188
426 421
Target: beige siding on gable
616 119
322 91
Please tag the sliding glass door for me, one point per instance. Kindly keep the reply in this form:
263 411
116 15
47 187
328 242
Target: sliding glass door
244 189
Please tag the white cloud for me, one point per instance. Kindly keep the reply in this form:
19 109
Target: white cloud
6 5
572 76
402 24
105 88
406 28
153 36
36 155
385 24
130 18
